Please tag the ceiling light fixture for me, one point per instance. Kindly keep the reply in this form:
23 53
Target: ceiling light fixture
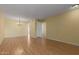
75 6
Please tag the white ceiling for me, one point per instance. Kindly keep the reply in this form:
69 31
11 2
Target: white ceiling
40 11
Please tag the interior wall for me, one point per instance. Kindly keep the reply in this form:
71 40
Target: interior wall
33 28
64 28
12 29
1 27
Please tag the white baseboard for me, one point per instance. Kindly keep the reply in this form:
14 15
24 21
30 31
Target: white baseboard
76 44
14 36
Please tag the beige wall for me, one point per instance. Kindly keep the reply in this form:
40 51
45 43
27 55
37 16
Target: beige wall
1 27
14 30
64 28
33 28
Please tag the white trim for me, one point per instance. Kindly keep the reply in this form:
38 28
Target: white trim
76 44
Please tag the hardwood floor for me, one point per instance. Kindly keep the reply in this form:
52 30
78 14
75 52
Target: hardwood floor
38 46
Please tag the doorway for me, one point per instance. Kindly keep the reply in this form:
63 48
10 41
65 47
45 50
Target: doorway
41 29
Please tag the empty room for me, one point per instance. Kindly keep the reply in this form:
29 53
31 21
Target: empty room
39 29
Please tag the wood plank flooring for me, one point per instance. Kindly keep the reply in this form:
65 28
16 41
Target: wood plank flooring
38 46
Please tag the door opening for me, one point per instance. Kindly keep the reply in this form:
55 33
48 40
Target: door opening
41 29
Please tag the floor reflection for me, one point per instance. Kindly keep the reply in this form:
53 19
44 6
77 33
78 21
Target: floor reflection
19 51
